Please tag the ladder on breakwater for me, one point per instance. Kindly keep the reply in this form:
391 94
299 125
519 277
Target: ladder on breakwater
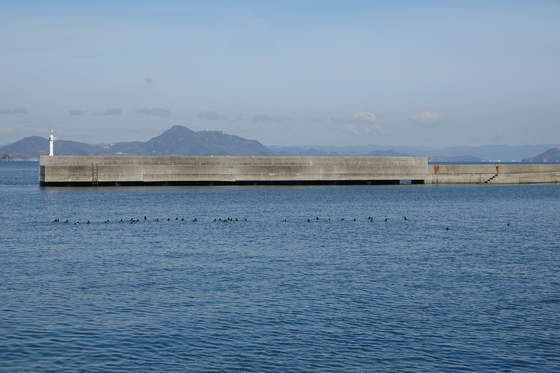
492 178
94 174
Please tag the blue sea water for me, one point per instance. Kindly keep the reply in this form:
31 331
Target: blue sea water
276 292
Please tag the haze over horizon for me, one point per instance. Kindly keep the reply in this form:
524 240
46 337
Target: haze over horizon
407 73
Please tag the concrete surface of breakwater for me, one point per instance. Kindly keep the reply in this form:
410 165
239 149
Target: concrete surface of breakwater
225 170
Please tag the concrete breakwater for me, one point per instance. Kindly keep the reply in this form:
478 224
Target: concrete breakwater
150 170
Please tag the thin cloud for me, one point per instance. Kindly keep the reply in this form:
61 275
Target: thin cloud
362 124
17 110
5 130
364 130
77 112
428 119
148 79
475 137
112 111
315 117
211 115
264 118
157 112
364 117
237 118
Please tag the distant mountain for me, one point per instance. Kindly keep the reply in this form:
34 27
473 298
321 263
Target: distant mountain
551 155
178 141
456 159
30 148
485 153
27 148
313 152
385 153
181 141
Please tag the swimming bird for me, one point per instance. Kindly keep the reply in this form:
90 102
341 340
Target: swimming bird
88 222
308 220
66 221
182 219
386 219
447 228
405 218
157 219
76 223
194 220
145 218
106 221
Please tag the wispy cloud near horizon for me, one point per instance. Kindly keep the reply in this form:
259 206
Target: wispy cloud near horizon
428 119
17 110
112 111
265 118
362 124
211 115
157 112
364 130
364 117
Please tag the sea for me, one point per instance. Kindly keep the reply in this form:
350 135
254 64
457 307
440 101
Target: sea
400 278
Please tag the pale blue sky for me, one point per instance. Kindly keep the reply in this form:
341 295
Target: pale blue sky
412 73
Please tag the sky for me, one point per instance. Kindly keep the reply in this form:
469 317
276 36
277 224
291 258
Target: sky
346 73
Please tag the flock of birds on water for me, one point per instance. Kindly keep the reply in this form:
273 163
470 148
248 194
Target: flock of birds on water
133 221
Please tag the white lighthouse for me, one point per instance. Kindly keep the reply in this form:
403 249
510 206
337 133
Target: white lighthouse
51 143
